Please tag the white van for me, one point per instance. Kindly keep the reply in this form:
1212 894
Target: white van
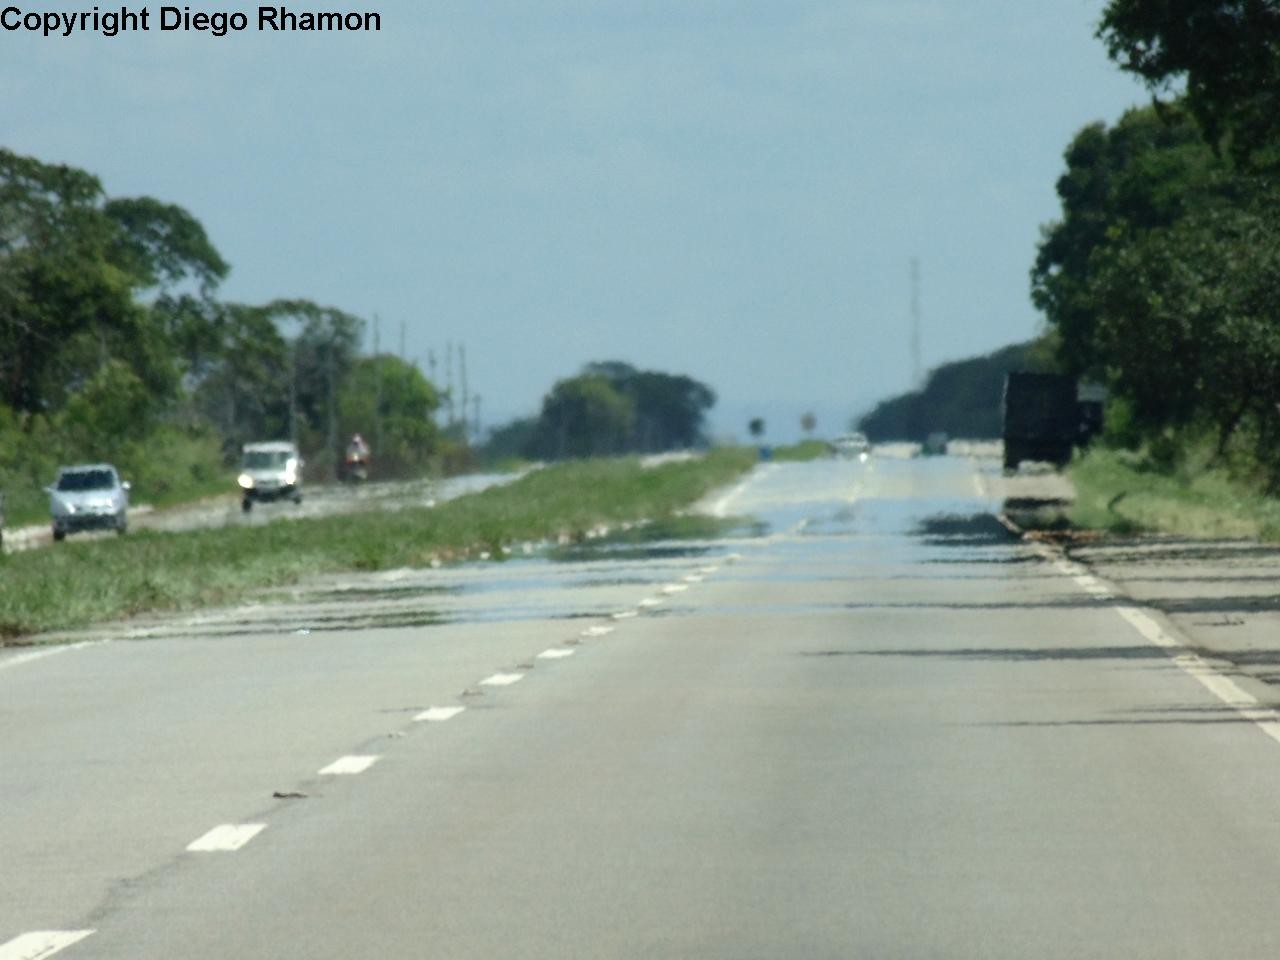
270 471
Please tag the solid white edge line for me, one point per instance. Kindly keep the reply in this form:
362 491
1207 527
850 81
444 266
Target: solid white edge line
555 653
19 659
502 679
227 836
349 765
39 944
438 714
1226 690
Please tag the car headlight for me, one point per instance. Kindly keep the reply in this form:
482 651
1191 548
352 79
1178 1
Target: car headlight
246 481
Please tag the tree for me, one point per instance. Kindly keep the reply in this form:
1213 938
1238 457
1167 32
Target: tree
583 416
670 410
756 427
808 422
1227 52
1143 174
391 403
71 265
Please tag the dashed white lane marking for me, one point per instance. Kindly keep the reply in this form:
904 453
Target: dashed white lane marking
675 588
708 570
438 714
600 631
692 578
39 944
21 658
625 614
502 679
650 602
229 836
347 766
555 653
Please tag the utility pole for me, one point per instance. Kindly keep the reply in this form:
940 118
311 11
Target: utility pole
377 385
448 379
293 392
475 423
916 372
401 339
333 415
462 372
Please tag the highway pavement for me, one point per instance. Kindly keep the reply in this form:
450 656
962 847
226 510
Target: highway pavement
881 728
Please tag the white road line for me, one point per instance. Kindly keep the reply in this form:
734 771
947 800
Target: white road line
229 836
649 602
675 588
600 631
347 766
39 944
502 680
710 569
625 614
692 578
21 658
1193 665
555 653
438 714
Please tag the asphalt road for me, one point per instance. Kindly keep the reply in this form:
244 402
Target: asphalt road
883 729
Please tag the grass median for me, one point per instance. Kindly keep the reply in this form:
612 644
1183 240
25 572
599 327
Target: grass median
1123 494
80 582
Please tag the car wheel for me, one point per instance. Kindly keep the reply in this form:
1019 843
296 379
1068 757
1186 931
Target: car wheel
297 498
246 504
59 534
122 527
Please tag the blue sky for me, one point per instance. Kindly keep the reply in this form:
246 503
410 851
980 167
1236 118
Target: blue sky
731 190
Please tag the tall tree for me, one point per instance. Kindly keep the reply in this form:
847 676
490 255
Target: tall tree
1225 52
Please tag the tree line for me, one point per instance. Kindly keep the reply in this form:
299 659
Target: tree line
1162 275
115 345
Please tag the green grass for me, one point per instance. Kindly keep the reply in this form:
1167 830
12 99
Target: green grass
86 581
804 450
1122 494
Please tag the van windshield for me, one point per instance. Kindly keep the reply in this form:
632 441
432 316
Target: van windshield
266 459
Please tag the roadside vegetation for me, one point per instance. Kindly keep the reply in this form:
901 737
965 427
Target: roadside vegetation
804 450
88 581
1126 493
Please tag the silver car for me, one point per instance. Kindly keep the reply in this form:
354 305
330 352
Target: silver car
89 496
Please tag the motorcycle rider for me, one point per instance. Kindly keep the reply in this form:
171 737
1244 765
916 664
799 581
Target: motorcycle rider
357 460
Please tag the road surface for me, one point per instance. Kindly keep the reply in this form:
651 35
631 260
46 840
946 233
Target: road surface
884 728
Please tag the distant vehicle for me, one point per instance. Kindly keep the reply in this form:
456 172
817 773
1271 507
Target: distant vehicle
89 496
270 471
851 445
935 444
1046 415
355 465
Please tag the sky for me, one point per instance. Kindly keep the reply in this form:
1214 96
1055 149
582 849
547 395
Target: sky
728 189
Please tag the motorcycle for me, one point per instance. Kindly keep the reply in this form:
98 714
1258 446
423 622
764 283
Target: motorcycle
356 468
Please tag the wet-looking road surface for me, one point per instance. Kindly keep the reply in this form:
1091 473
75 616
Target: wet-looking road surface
880 728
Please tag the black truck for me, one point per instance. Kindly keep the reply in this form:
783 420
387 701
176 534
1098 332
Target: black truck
1046 415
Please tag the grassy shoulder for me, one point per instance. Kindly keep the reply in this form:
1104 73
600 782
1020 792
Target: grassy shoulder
804 450
1123 493
86 581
